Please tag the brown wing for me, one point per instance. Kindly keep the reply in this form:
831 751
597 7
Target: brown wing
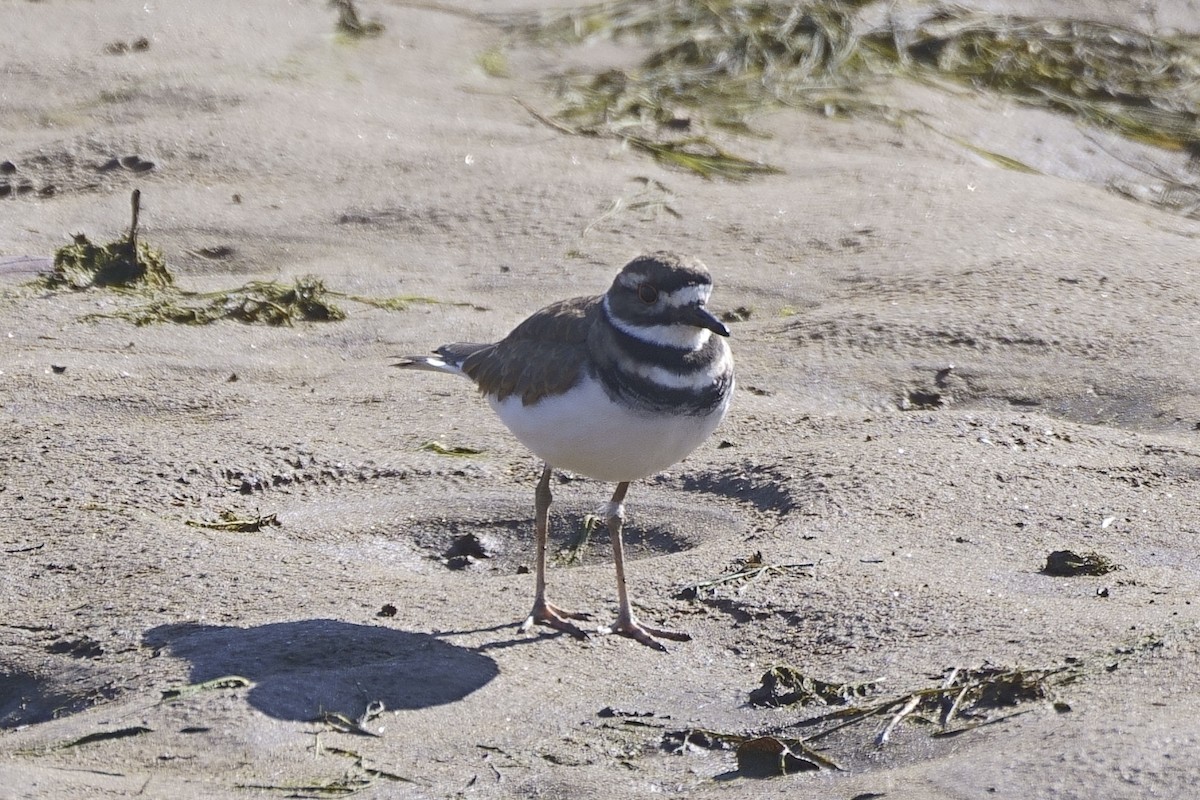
544 355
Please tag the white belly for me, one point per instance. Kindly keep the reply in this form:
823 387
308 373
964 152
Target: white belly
584 431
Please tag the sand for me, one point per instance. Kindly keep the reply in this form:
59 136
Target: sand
949 371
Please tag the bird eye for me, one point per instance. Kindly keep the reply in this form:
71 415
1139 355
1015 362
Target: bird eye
647 293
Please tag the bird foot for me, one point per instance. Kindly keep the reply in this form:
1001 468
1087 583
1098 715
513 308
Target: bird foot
645 634
553 617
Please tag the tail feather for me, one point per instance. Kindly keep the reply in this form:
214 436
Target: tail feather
428 363
449 358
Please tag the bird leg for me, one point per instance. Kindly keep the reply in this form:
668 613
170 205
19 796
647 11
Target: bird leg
543 612
627 624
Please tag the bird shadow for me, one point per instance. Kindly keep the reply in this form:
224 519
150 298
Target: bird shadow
27 698
539 634
303 669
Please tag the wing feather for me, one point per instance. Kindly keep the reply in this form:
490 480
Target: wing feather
544 355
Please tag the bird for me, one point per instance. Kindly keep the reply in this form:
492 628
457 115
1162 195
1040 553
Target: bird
615 387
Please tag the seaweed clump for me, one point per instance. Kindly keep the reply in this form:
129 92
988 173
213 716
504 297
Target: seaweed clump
856 720
1140 85
123 263
306 299
133 267
784 685
83 264
1068 563
257 302
712 65
350 24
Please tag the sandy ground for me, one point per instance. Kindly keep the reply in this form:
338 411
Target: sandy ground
950 370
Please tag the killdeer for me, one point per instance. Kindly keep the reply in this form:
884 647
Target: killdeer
615 387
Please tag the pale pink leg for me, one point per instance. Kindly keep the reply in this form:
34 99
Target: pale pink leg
627 624
543 612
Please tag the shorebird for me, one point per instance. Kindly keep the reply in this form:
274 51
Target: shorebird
614 387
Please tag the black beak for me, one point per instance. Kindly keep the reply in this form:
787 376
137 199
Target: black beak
701 317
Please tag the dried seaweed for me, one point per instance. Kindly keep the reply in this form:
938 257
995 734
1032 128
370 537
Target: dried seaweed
230 521
350 24
360 764
434 446
83 264
1068 563
123 263
1143 86
758 756
713 65
651 199
962 700
131 266
225 682
743 570
784 685
494 63
337 787
267 302
359 775
955 702
343 724
259 302
573 552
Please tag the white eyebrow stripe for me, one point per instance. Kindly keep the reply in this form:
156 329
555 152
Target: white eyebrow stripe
688 296
629 280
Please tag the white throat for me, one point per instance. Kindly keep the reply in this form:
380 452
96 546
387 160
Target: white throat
680 337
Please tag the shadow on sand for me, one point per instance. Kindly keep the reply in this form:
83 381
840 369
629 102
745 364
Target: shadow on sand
301 669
